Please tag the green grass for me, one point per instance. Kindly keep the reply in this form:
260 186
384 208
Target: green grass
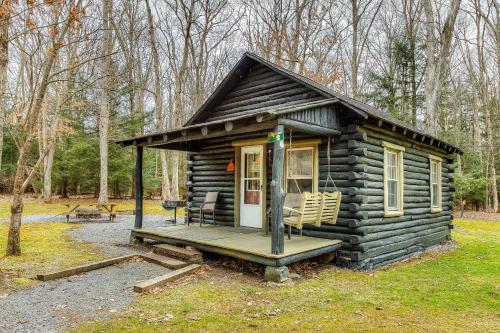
44 247
456 291
32 206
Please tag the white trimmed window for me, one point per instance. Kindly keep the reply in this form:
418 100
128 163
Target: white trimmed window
393 179
300 170
301 166
435 183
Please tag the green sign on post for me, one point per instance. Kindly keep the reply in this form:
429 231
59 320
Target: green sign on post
275 136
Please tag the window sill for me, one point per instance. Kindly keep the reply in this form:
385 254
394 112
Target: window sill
436 210
393 213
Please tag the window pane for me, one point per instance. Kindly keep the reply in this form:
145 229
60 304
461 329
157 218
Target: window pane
299 185
392 171
435 195
392 192
252 191
252 165
434 172
300 163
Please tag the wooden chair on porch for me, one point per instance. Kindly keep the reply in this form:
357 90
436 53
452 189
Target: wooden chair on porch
330 206
208 206
308 213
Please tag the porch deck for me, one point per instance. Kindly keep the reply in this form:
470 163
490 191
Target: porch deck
243 243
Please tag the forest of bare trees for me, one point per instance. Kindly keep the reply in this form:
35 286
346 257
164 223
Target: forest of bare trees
75 75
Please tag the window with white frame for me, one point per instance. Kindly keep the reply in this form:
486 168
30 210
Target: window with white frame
300 169
435 183
393 179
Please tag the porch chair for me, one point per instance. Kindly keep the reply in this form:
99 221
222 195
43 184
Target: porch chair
208 206
308 213
330 206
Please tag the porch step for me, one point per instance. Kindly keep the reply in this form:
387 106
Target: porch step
164 261
170 276
191 255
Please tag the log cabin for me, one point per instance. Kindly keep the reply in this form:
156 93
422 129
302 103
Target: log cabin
396 180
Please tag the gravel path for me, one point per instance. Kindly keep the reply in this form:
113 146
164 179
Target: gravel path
112 236
51 306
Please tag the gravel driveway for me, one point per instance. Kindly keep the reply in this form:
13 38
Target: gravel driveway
51 306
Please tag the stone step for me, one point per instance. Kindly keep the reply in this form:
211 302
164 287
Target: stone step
190 255
163 261
170 276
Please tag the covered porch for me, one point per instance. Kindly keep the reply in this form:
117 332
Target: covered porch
229 139
238 242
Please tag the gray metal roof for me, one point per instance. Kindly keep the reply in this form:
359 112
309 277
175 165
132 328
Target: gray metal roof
345 100
250 59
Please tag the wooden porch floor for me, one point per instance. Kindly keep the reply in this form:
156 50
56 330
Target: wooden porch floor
243 243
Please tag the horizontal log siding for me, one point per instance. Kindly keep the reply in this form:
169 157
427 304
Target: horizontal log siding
260 89
356 165
376 240
206 173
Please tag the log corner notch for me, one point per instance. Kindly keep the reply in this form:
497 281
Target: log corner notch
139 190
277 196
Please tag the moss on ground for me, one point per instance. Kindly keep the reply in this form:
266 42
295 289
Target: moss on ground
44 247
452 291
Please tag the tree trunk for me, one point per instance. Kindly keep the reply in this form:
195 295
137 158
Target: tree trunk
4 61
47 175
107 48
354 57
437 60
20 184
165 183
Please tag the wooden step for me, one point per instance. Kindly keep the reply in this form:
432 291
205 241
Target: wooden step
163 261
170 276
190 255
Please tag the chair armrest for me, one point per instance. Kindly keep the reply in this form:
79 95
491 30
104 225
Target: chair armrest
291 210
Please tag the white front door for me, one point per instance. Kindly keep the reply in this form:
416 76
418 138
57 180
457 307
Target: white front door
251 187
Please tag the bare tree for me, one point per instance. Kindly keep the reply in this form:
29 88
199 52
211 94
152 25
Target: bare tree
363 14
28 127
437 44
105 100
165 183
5 13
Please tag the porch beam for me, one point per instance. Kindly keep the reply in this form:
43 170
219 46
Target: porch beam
308 128
139 191
277 196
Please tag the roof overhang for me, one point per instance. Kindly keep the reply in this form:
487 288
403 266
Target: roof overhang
188 137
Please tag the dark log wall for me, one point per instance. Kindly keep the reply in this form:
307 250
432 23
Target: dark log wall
261 89
206 173
376 240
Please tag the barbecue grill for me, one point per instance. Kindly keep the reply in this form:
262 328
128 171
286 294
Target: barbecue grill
173 204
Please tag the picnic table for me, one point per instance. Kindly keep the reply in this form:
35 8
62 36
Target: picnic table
90 212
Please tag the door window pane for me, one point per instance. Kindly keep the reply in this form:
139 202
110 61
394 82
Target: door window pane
252 181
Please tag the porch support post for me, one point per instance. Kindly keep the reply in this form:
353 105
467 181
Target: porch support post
139 191
277 196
